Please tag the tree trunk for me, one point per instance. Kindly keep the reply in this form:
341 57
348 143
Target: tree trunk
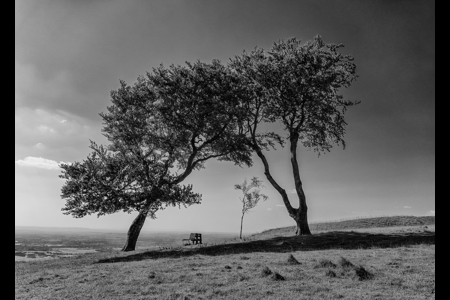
301 217
284 197
302 222
242 220
133 232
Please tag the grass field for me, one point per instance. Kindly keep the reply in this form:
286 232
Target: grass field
351 262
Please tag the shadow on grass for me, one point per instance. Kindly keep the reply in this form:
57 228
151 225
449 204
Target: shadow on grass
319 241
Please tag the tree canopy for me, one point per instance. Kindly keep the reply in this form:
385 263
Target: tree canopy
171 121
160 129
297 86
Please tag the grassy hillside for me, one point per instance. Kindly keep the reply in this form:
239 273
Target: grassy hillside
365 263
379 222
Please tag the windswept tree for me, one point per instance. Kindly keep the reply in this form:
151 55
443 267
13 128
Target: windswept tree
250 198
297 86
160 129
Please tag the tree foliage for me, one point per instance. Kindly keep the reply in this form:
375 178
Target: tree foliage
159 129
171 121
250 198
296 85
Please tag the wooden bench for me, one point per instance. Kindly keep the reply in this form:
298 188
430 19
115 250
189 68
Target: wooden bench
194 238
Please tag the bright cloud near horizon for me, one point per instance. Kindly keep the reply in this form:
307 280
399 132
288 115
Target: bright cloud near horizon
69 55
39 162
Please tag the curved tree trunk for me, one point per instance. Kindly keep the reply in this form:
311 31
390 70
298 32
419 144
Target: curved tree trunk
301 217
133 232
272 181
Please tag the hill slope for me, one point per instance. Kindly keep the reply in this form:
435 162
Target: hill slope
339 264
378 222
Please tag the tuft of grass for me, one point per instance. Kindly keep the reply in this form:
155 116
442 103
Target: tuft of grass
325 263
292 260
266 271
362 273
242 277
276 276
330 273
345 263
396 282
36 280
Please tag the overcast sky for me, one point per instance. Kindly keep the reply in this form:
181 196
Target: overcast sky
69 55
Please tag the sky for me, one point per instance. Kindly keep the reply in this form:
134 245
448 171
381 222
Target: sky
69 55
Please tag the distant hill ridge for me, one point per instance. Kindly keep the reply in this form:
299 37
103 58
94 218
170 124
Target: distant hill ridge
44 228
359 223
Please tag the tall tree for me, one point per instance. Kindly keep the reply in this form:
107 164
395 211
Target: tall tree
166 125
249 198
298 86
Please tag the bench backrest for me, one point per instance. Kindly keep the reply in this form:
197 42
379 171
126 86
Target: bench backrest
195 236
